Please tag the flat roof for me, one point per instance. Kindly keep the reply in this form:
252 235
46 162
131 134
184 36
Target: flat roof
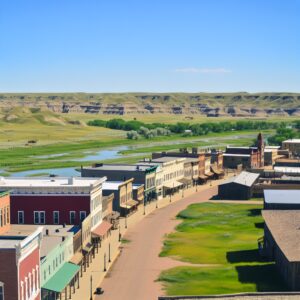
288 160
244 178
272 147
55 234
167 159
238 155
119 167
284 227
296 141
282 196
112 185
8 182
294 170
237 147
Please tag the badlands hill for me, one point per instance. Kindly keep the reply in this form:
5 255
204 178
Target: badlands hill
206 104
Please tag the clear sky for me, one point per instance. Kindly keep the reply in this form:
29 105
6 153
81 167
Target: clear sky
149 45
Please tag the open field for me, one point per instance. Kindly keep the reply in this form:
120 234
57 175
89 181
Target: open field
70 154
223 237
38 139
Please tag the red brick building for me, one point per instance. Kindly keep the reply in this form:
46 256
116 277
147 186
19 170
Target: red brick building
20 266
54 201
247 157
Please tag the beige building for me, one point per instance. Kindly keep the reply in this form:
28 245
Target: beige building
172 173
292 145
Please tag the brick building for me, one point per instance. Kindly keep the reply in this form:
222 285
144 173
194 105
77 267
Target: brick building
54 201
247 157
20 266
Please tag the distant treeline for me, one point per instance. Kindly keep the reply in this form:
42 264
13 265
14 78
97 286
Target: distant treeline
284 132
148 130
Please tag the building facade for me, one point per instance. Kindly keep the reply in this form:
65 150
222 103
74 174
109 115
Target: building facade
292 145
4 212
142 174
54 201
20 266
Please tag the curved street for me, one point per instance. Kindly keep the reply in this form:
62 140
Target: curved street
134 273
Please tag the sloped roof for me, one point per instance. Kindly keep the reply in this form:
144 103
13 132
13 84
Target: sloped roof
244 178
284 227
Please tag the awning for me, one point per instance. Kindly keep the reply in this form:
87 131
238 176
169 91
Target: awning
203 177
77 258
216 170
209 174
87 248
129 204
172 185
102 229
61 278
113 216
185 181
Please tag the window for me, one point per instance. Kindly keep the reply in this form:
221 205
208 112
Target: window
82 215
20 217
56 217
4 216
39 217
7 215
1 291
72 217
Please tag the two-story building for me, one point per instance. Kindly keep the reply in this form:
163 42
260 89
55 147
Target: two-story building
54 201
142 174
20 265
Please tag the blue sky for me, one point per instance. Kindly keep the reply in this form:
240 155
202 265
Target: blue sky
149 45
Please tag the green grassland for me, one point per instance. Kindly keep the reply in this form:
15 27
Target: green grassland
225 237
59 140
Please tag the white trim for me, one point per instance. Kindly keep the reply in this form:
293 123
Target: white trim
81 212
54 212
22 290
72 211
39 217
23 216
2 287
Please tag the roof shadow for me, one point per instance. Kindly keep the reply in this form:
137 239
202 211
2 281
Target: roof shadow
243 256
254 212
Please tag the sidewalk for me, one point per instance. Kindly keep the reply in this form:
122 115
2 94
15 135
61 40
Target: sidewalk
96 269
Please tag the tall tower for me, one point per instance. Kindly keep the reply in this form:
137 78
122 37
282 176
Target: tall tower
261 148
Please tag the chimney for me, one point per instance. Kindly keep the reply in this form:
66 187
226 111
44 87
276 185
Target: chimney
70 180
62 238
64 225
47 231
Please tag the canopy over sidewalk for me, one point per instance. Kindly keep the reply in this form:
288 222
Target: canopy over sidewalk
61 278
102 229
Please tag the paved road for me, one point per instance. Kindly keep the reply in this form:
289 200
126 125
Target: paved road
133 275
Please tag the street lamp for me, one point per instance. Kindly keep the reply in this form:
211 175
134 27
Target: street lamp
144 205
104 269
126 209
91 286
119 233
109 253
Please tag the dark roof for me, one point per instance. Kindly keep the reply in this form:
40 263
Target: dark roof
284 227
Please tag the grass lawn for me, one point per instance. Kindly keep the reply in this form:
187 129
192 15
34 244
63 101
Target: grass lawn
225 237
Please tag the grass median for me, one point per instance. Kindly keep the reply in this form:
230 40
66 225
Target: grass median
222 237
